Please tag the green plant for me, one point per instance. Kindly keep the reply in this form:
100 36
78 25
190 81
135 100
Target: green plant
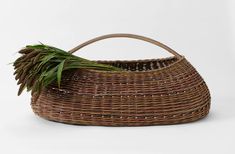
39 65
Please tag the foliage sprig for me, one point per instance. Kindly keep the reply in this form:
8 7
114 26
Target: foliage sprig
39 65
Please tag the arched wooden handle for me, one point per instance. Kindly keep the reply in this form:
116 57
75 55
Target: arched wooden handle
138 37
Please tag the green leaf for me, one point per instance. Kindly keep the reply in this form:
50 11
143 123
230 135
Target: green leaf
48 57
46 74
59 72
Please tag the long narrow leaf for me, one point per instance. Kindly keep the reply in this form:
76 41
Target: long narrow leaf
59 72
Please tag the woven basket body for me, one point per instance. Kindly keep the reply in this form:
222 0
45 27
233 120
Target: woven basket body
148 92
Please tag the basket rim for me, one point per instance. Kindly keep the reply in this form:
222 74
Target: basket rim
141 60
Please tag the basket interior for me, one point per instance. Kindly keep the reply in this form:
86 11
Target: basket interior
142 65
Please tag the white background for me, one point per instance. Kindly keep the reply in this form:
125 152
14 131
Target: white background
201 30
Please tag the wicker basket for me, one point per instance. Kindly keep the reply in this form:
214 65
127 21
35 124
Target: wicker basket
148 92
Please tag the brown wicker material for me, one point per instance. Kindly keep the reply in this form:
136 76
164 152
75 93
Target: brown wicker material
148 92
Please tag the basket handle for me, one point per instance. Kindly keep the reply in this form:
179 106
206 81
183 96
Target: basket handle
138 37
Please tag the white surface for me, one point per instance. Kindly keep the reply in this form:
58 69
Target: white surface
202 30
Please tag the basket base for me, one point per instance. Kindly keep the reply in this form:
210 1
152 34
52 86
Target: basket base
109 120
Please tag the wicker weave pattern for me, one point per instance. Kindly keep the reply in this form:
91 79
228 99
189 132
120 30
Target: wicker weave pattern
149 92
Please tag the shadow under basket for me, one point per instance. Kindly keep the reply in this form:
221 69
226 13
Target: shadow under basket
148 92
